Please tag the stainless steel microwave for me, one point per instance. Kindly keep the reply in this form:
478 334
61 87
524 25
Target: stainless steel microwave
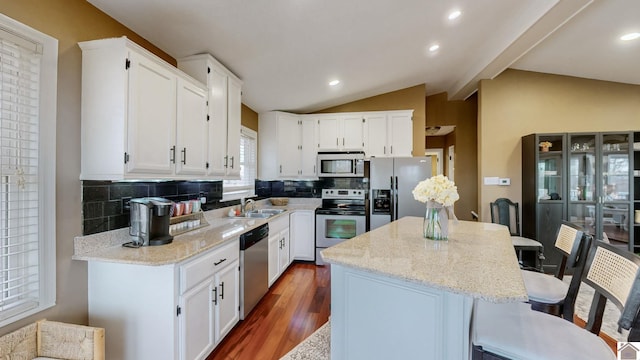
340 164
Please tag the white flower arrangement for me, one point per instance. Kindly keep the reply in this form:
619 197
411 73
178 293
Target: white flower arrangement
437 188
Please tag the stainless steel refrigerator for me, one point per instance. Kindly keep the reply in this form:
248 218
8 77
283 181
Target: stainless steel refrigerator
391 181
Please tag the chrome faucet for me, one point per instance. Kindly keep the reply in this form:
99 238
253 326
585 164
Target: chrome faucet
245 203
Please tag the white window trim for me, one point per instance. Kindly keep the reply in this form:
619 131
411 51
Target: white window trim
230 193
46 165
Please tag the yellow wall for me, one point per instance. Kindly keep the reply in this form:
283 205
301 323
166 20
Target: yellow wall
249 118
405 99
518 103
462 114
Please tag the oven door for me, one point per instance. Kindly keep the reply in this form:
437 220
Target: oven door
334 229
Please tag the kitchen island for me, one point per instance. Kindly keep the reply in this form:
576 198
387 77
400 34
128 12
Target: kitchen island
397 295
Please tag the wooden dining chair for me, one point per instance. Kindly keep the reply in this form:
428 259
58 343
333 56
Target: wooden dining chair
515 331
546 292
507 212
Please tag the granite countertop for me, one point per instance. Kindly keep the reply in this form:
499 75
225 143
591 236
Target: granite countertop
107 246
478 259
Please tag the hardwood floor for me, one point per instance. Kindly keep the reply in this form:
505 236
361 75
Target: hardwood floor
295 306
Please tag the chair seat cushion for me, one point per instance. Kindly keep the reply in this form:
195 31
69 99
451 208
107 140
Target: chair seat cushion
524 242
515 331
544 288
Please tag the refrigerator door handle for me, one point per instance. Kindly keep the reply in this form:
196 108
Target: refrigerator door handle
395 200
392 198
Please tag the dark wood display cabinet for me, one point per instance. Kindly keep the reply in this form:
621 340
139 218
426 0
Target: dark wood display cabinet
589 179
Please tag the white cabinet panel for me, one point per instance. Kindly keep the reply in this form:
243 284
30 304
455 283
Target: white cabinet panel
302 235
233 127
341 132
151 117
227 281
390 134
287 146
196 321
225 106
279 245
191 129
289 152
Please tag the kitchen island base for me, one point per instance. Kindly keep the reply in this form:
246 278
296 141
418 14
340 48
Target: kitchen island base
378 317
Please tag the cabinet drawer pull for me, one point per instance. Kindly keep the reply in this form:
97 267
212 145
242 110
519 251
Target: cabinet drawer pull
219 262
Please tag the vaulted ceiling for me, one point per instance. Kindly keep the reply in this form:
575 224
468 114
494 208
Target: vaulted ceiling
287 51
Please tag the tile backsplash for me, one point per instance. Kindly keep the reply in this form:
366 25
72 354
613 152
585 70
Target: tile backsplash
102 201
102 208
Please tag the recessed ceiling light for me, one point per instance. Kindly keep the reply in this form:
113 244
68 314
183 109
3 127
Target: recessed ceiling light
433 48
334 82
454 14
630 36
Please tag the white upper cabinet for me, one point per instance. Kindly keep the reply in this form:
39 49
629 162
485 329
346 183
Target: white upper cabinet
225 96
132 102
191 149
390 133
286 146
289 143
341 132
151 117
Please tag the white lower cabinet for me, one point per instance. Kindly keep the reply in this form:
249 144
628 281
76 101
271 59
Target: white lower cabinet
209 309
279 244
174 311
302 234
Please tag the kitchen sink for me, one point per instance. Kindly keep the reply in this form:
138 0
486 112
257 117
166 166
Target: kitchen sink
262 213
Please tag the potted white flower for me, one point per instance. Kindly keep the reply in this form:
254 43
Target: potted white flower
439 193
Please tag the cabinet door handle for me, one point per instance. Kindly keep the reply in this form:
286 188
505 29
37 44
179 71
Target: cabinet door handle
215 296
184 156
280 169
173 154
222 291
219 262
342 141
337 143
226 162
232 162
391 147
384 151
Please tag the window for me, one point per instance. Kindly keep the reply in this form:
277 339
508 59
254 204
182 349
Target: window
28 82
245 187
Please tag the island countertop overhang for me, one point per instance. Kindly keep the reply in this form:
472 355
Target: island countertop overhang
478 260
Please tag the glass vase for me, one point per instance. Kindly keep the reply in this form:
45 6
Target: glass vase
436 221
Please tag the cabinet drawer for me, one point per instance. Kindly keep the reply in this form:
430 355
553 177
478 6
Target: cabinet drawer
278 224
205 266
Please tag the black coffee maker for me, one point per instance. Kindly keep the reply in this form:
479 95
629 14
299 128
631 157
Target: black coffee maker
150 219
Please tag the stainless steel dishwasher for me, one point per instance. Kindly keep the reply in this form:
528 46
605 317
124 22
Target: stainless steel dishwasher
254 268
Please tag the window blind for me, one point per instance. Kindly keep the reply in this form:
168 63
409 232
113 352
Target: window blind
19 190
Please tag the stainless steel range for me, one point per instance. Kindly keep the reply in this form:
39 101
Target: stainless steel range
343 215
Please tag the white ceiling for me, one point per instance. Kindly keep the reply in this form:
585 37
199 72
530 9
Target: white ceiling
286 51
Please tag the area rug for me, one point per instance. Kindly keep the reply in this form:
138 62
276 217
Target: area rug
315 347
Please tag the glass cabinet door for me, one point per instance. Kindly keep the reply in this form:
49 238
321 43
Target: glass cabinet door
582 181
550 183
615 188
